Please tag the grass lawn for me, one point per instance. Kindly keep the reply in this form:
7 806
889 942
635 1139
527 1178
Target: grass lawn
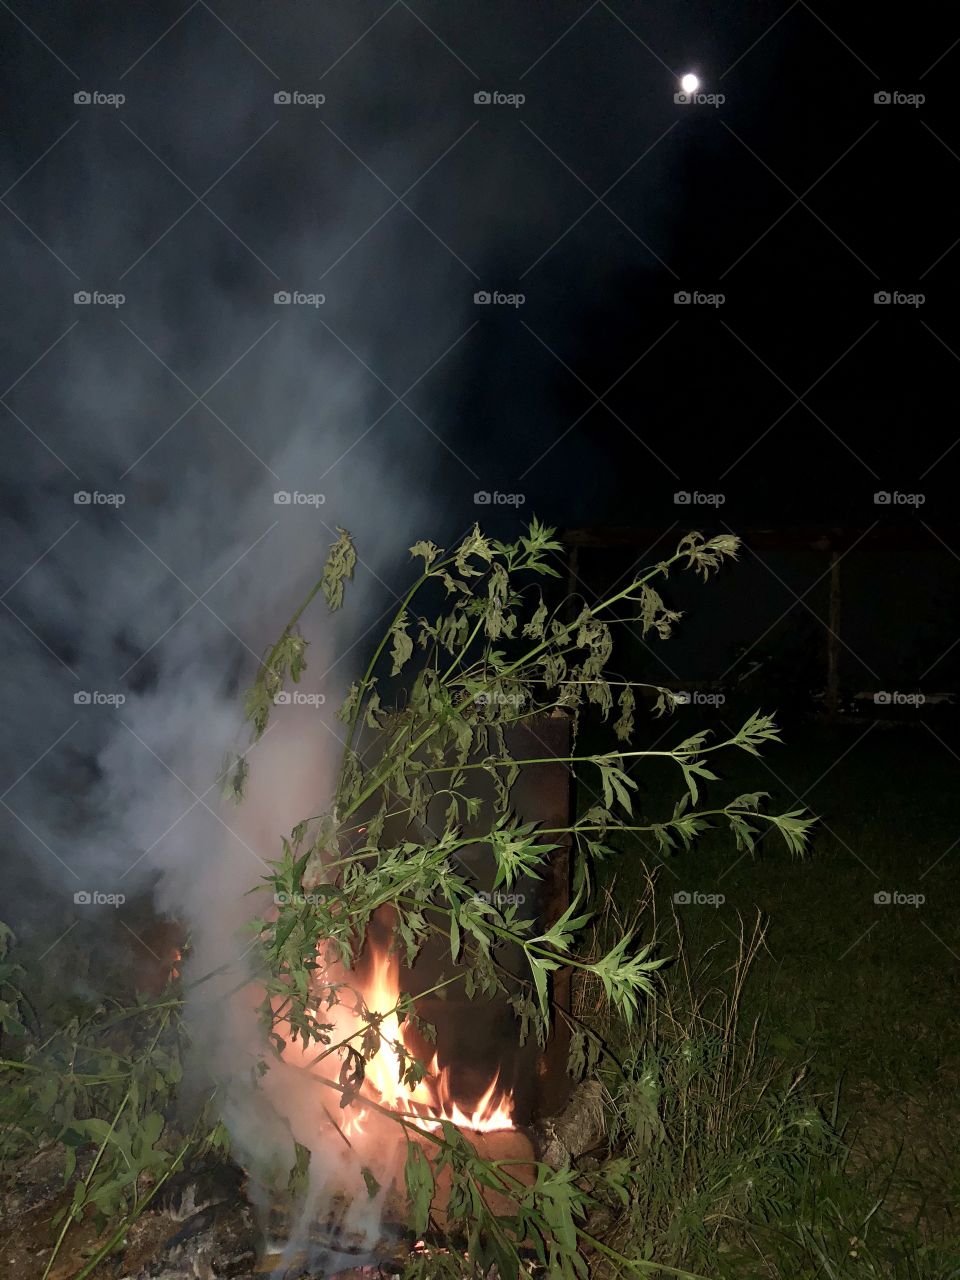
865 992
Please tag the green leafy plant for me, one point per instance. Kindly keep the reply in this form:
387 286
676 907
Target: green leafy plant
476 649
481 644
102 1092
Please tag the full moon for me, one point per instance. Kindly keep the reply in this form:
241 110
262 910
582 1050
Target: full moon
690 83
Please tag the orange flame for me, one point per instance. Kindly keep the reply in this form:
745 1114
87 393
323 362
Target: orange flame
426 1103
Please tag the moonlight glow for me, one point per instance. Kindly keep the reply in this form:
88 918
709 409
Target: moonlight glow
690 83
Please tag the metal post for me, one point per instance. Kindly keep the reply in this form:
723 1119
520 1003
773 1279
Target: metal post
545 793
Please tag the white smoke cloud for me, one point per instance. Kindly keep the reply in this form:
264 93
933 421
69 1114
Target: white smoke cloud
196 400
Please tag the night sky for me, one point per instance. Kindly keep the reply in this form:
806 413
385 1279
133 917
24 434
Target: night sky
790 192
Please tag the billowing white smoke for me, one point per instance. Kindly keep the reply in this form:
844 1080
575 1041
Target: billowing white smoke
155 604
198 399
168 600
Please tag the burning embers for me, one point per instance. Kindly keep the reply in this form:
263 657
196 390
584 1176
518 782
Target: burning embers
374 1056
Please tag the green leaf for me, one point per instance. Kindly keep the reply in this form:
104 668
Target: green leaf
348 707
339 568
420 1186
757 730
151 1126
454 937
427 551
794 828
370 714
615 783
474 544
535 627
539 970
693 769
402 650
623 727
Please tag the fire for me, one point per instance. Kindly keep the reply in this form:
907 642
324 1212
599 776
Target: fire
426 1103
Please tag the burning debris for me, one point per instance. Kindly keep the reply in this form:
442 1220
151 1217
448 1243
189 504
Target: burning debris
385 1072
